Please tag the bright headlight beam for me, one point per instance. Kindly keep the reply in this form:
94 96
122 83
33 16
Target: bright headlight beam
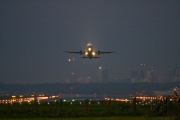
93 53
89 49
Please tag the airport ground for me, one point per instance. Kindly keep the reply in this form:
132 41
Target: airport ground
90 110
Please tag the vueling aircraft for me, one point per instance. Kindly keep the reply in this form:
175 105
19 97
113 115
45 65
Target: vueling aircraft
90 52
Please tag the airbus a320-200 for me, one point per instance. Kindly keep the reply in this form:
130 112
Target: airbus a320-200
90 52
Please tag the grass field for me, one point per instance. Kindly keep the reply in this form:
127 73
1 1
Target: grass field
96 118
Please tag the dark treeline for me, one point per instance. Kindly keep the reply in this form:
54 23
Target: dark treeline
122 89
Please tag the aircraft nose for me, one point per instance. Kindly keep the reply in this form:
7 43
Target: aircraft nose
89 44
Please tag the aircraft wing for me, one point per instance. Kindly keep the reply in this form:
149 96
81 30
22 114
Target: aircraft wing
80 52
71 52
105 52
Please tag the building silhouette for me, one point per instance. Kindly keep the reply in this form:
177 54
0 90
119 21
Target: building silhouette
102 75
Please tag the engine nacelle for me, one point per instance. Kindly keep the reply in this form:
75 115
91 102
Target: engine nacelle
99 52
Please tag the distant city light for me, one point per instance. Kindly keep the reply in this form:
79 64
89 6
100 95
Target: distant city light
100 67
71 59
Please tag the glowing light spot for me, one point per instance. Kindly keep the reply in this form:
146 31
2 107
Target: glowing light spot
93 53
100 67
89 49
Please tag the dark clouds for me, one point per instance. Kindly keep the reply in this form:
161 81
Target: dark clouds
34 34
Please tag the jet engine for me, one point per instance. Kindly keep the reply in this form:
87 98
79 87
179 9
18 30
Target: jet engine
99 52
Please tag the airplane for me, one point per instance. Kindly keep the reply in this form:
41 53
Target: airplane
90 52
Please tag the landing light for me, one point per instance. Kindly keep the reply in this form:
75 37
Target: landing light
86 53
89 49
93 53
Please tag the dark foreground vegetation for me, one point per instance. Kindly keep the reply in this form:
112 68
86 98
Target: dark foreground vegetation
92 109
97 118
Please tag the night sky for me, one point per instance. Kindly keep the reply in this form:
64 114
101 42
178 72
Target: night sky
35 33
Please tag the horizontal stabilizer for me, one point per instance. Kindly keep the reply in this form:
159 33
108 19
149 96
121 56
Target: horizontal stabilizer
89 57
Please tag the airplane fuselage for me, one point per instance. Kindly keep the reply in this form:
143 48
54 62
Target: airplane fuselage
90 53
